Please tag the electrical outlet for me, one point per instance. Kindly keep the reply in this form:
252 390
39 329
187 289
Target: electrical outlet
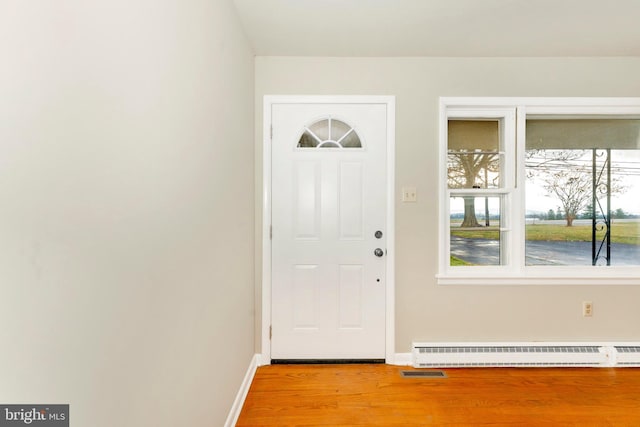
409 194
587 308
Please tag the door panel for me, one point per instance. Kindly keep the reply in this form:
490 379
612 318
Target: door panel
305 296
306 203
328 287
351 203
351 288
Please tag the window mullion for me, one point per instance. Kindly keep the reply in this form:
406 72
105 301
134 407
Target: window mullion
518 197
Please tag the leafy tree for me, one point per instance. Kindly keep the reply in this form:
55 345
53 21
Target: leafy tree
587 213
551 214
619 213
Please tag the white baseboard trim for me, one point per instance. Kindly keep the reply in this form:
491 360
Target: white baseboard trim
264 359
401 359
236 408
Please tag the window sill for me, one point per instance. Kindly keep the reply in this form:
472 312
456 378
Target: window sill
545 276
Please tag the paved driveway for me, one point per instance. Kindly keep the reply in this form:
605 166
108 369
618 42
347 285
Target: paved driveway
487 252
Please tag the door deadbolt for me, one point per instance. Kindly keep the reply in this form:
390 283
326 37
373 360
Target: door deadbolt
378 234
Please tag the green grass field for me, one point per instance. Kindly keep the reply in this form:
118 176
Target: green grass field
621 232
457 262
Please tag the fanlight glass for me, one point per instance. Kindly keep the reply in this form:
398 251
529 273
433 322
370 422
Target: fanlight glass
329 133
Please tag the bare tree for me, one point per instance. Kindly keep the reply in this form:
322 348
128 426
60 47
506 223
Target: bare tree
566 175
572 188
471 169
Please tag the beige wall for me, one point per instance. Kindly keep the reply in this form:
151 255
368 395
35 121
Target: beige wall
126 213
424 310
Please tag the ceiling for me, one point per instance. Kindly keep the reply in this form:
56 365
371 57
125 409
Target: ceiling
442 27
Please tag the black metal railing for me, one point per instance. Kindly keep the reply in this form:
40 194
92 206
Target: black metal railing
601 207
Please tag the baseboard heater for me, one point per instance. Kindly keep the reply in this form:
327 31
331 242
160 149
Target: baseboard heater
627 355
443 355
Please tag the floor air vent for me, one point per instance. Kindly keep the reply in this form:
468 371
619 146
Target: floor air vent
627 355
442 356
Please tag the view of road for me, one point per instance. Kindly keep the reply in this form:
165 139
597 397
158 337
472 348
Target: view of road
539 252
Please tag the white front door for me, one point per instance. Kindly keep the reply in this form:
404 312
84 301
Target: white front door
329 182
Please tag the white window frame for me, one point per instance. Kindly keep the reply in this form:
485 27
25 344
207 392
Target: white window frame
514 112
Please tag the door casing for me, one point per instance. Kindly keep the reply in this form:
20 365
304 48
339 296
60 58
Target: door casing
269 101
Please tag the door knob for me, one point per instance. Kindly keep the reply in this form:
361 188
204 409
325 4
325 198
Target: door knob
378 252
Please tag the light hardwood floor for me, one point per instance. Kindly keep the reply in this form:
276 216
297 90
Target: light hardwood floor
377 395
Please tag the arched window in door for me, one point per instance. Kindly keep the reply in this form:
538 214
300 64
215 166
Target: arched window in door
329 133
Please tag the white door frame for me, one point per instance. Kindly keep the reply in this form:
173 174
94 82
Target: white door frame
269 101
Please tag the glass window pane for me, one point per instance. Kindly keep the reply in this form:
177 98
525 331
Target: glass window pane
474 158
475 237
351 140
329 133
582 192
338 129
307 140
321 129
